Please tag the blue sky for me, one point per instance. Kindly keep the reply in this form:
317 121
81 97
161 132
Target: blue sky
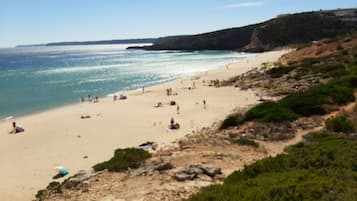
42 21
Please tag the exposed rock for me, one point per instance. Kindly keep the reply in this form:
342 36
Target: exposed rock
269 131
211 171
195 171
79 178
181 176
166 165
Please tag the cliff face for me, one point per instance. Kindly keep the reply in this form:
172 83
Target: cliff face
297 29
281 31
227 39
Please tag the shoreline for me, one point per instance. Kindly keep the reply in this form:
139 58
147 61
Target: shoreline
59 137
50 108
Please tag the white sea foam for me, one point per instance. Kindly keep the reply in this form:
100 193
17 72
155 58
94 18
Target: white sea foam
8 118
80 69
96 80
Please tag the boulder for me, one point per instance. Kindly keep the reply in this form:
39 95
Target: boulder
165 165
196 171
181 176
79 178
212 172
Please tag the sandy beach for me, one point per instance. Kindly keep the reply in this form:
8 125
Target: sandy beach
60 137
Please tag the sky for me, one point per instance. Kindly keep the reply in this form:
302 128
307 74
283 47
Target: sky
43 21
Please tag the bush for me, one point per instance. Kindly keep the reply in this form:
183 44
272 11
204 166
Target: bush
312 101
232 120
270 112
52 188
339 124
280 71
124 159
322 169
247 142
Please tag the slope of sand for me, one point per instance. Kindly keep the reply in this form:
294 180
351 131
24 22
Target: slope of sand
60 137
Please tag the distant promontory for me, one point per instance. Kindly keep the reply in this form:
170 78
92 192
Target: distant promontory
284 30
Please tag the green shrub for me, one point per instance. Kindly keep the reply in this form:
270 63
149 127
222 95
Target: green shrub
323 168
339 124
54 187
312 101
280 71
232 120
124 159
41 195
352 70
270 112
247 142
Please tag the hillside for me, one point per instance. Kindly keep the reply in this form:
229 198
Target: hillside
314 110
284 30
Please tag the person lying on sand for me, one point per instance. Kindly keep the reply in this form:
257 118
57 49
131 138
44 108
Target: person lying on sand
122 97
85 116
158 104
16 128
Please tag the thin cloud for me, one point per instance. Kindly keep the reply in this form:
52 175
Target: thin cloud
245 4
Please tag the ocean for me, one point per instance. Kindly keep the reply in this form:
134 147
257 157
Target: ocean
33 79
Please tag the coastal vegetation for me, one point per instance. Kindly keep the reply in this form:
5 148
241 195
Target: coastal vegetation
124 159
291 29
323 167
339 124
232 120
340 72
270 112
315 100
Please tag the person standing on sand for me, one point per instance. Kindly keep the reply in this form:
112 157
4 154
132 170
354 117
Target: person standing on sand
143 89
204 104
178 109
167 91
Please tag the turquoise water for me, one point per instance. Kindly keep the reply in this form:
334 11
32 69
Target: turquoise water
37 78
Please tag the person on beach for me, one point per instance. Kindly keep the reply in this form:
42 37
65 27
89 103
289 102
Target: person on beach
16 128
173 125
204 104
172 121
158 104
178 109
167 92
143 89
